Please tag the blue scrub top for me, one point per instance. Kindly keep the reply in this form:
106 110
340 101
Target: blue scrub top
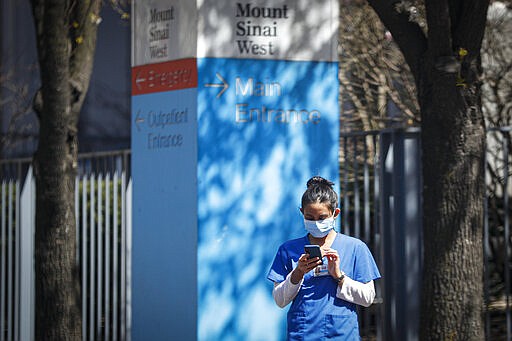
316 313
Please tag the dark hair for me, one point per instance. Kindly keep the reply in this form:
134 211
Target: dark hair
320 190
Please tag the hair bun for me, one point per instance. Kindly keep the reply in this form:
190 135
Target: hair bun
319 181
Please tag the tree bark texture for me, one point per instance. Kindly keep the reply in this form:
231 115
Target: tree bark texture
453 146
65 67
445 62
453 138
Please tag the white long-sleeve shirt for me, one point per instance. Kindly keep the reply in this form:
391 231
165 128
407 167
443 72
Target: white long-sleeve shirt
350 291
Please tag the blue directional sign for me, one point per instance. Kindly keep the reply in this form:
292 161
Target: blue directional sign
262 132
164 163
230 118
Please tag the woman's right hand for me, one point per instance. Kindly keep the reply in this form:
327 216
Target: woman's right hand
304 265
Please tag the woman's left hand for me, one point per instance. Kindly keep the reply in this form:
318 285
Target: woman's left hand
333 264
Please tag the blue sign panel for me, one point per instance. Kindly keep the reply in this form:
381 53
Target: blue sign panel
264 128
164 163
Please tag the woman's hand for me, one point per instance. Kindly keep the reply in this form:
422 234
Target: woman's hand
304 265
333 265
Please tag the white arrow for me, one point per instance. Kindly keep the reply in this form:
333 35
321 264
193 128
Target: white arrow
139 80
224 85
138 120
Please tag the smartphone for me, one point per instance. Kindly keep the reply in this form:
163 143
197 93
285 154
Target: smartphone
313 251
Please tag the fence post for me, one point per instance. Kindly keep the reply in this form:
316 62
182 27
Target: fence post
27 272
401 226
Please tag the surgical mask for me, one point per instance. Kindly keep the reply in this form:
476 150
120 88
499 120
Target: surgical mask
319 228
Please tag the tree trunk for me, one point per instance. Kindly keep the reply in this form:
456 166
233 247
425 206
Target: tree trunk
58 314
66 39
453 147
445 63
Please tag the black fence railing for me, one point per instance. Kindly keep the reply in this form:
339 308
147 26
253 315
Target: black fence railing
380 175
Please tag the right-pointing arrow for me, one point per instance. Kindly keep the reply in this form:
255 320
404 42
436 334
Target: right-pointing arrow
224 85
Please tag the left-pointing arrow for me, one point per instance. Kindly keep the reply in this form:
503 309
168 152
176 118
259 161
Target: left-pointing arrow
138 120
224 85
139 80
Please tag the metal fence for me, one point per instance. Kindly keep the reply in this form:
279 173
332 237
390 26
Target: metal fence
497 239
103 206
380 174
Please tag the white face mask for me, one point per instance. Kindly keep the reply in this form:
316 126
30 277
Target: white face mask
319 228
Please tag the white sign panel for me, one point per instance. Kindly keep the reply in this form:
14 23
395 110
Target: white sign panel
265 29
163 30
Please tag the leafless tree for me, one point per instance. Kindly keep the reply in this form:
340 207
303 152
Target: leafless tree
497 107
377 88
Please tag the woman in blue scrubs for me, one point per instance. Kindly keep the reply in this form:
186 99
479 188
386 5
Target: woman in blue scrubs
323 292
